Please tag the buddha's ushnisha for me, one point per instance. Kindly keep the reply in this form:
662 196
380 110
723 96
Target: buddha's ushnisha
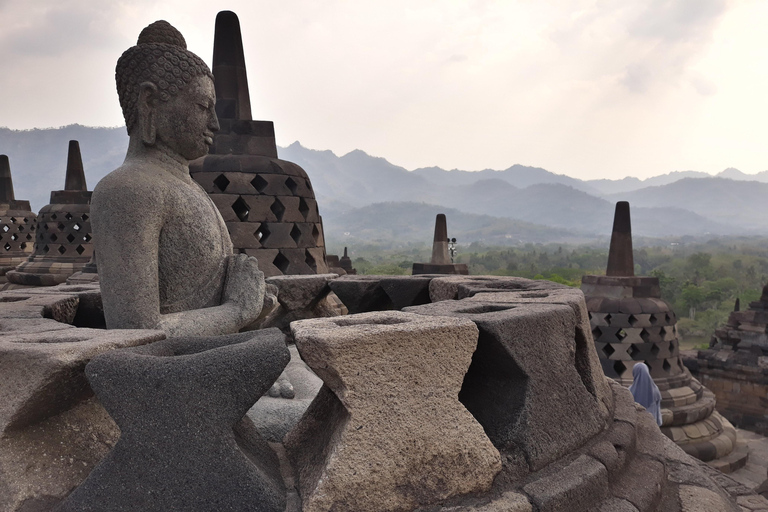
164 254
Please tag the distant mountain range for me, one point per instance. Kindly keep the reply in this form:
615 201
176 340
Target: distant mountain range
368 198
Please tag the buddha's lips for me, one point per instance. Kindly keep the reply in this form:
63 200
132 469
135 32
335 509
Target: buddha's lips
209 140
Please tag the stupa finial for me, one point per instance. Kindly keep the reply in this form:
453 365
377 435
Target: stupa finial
232 98
440 242
620 259
6 183
75 179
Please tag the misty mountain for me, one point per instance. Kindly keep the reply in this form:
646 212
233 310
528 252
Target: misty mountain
607 187
407 222
673 204
735 174
740 204
518 175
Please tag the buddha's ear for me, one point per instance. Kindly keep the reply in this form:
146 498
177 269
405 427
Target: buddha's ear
147 103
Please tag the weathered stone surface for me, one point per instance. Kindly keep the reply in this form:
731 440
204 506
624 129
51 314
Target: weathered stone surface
508 502
43 371
386 432
697 499
163 251
577 488
587 361
178 449
301 292
42 463
523 385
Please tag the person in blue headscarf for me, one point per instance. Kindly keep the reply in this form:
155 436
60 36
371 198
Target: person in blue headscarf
645 391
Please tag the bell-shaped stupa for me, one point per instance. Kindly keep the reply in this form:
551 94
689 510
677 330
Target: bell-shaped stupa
267 203
63 240
17 224
632 324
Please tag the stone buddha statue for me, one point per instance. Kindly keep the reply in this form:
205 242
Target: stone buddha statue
164 255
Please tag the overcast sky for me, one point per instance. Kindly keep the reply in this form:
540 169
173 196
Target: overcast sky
591 89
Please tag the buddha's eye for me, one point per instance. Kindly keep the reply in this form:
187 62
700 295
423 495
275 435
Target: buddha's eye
202 107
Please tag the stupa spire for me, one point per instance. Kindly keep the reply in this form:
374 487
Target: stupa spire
440 242
75 179
620 260
232 98
6 183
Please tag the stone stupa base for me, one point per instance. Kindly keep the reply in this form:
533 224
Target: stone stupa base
433 268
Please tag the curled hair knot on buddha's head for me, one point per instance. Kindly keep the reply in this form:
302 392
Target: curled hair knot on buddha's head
161 57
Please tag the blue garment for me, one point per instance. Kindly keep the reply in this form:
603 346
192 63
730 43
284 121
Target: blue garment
645 391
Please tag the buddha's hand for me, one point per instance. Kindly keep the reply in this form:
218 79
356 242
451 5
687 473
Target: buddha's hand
244 286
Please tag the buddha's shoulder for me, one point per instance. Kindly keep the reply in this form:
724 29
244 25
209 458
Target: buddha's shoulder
130 181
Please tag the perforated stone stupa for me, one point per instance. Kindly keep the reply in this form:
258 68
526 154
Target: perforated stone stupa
631 324
267 203
63 237
17 224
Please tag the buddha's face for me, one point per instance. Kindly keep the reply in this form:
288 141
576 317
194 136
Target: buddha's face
185 124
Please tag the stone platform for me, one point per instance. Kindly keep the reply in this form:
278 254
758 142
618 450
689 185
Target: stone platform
617 461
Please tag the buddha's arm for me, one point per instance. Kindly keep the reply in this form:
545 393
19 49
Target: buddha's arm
127 218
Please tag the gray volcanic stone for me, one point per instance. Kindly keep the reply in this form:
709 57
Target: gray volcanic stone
587 362
43 371
386 431
406 291
524 386
576 488
177 403
40 464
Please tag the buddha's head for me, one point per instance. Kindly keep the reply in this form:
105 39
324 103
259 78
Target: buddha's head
167 93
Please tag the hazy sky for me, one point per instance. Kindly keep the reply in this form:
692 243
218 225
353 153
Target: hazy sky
592 89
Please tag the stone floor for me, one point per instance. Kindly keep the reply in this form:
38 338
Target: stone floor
756 469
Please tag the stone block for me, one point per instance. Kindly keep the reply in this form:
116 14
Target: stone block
699 499
587 361
181 445
524 386
43 371
386 431
301 292
576 488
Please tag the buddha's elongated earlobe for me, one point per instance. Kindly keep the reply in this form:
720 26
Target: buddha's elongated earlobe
147 126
